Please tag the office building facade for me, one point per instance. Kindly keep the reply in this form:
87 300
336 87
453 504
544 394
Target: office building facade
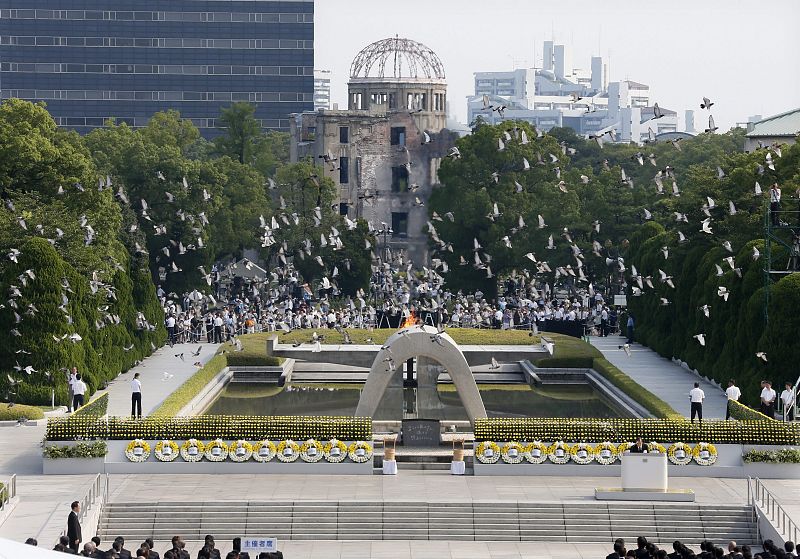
558 95
94 60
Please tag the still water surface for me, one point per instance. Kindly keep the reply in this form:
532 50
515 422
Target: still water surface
501 400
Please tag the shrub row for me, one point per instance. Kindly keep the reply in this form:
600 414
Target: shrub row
96 408
782 456
96 449
189 389
744 413
652 403
659 430
18 412
209 427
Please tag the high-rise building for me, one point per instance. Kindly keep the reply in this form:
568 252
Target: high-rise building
558 95
322 89
94 60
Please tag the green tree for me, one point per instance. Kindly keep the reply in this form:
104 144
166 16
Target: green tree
241 132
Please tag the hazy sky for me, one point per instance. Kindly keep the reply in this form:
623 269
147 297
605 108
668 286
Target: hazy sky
741 54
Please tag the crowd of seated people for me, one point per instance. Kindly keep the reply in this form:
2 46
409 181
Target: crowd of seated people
708 550
146 550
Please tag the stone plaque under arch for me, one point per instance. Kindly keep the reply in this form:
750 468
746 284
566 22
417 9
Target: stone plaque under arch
421 342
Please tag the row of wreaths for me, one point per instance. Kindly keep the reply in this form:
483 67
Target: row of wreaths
490 452
194 450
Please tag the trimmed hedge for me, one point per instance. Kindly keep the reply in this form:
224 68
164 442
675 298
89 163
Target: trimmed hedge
652 403
189 389
81 450
743 413
462 336
17 412
659 430
96 408
99 355
254 353
211 427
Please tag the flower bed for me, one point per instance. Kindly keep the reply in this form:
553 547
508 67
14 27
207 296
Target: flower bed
781 456
210 427
81 450
606 453
766 432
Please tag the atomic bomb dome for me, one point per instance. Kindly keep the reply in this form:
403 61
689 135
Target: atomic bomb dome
400 75
397 58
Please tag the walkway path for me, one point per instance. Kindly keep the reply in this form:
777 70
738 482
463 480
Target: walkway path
156 385
662 377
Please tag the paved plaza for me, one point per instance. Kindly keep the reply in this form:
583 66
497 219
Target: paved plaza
44 500
667 380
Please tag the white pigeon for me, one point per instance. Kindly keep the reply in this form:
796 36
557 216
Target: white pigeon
723 292
700 338
762 355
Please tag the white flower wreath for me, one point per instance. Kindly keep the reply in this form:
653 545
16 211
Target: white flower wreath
582 453
606 453
264 451
335 451
216 451
558 453
166 451
192 450
240 451
705 454
138 450
312 451
679 454
536 452
654 446
488 452
288 451
360 451
512 453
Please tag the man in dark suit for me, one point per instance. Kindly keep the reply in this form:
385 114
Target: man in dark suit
237 547
123 553
74 527
639 447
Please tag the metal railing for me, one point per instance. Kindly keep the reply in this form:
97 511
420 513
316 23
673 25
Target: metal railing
758 494
8 492
98 489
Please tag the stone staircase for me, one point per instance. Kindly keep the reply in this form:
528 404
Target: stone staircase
591 522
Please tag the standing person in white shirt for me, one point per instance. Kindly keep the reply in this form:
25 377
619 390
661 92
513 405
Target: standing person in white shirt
70 386
136 397
696 397
787 397
768 396
78 390
733 393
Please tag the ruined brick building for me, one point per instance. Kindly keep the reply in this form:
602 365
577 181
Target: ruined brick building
384 151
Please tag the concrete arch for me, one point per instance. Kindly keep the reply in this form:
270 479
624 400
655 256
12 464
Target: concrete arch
420 341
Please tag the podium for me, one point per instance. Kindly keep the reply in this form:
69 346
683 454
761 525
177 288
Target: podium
644 472
644 478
